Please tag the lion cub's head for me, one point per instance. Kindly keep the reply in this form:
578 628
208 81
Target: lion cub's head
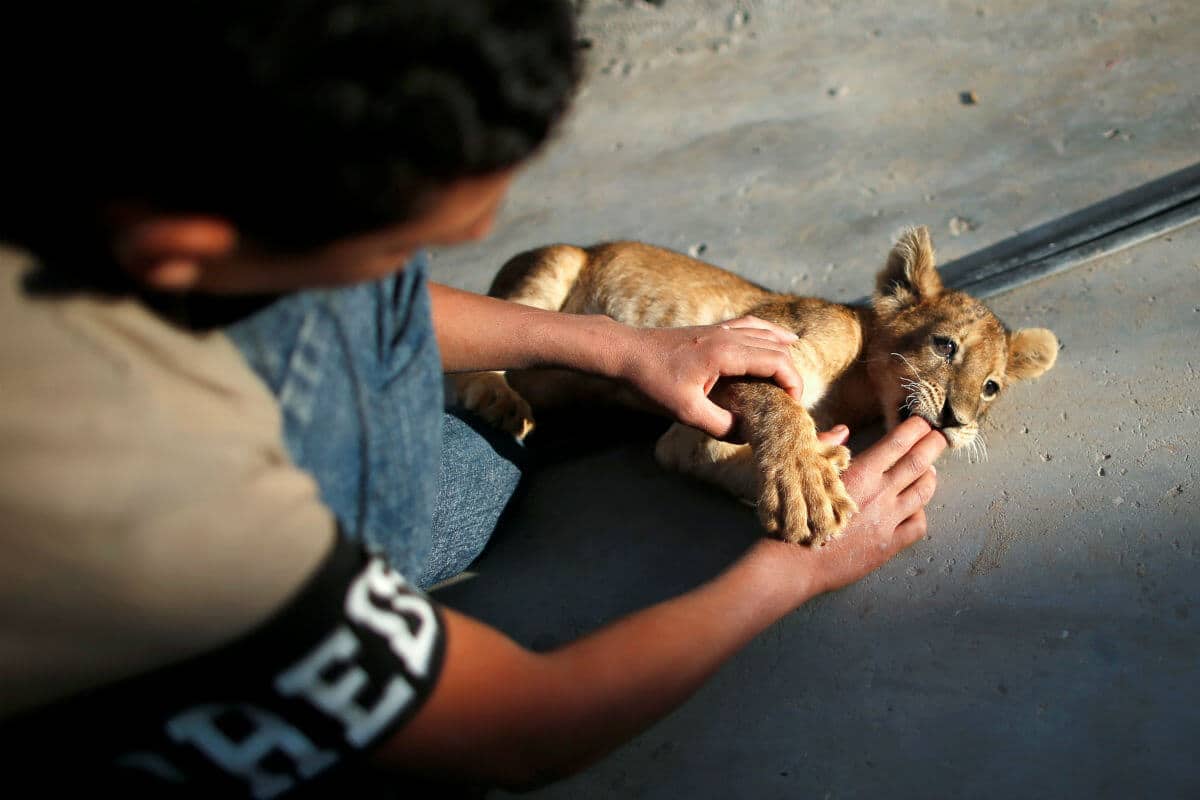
941 354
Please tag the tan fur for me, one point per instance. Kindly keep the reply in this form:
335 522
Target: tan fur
857 364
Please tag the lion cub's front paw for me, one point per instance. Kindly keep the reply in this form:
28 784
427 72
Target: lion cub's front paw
489 395
801 496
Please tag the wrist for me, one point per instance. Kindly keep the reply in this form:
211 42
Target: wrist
617 353
590 343
783 573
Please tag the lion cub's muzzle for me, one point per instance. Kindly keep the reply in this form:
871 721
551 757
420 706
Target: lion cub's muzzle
906 411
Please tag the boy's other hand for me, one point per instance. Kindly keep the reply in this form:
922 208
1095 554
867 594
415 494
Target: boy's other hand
892 481
677 368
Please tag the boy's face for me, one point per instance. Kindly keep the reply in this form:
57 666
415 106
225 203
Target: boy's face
199 254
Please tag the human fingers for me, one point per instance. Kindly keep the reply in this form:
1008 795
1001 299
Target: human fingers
880 456
917 461
748 322
917 495
835 436
710 418
756 337
759 337
912 529
761 362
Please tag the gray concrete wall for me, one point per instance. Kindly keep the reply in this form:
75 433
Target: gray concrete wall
1043 642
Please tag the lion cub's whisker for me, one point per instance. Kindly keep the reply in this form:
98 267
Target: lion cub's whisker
908 364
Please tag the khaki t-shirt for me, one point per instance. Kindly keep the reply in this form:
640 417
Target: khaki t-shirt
177 606
148 510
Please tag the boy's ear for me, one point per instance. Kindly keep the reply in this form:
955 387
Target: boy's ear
1031 351
910 274
168 253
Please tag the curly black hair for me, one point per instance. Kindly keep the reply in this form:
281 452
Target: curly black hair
301 121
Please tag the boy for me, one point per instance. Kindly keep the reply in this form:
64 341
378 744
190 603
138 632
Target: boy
185 610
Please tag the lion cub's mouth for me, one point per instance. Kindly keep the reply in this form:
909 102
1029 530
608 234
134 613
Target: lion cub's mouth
905 412
958 437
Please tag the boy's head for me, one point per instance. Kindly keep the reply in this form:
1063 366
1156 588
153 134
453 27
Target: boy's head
298 122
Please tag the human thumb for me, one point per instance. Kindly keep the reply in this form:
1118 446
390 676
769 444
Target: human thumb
836 435
715 421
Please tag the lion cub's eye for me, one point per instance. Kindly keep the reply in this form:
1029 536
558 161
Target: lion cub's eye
990 390
946 348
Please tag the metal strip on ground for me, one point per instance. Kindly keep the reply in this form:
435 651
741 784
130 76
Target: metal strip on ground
1132 217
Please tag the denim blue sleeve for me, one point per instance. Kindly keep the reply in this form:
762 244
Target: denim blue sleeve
358 377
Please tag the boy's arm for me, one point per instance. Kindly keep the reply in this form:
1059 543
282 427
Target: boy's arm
503 715
675 367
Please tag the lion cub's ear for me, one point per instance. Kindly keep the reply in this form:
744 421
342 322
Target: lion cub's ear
910 274
1031 351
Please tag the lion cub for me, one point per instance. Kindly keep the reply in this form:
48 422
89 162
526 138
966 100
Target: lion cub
918 348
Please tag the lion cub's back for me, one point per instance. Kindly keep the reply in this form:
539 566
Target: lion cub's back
635 283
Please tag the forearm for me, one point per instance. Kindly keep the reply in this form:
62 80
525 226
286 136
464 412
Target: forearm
643 666
475 332
530 718
674 368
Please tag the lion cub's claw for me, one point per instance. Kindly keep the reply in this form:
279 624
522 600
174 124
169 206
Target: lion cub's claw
801 496
489 395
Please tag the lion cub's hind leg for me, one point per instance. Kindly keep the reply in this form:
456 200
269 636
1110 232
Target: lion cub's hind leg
488 395
695 453
540 278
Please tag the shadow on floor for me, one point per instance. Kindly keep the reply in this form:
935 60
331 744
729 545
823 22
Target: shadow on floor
600 530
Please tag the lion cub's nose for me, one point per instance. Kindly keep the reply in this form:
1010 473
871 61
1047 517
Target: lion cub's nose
948 419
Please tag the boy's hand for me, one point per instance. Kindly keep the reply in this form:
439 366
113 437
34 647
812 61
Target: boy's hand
678 367
892 481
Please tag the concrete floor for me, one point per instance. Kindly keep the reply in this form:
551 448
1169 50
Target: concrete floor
1044 641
